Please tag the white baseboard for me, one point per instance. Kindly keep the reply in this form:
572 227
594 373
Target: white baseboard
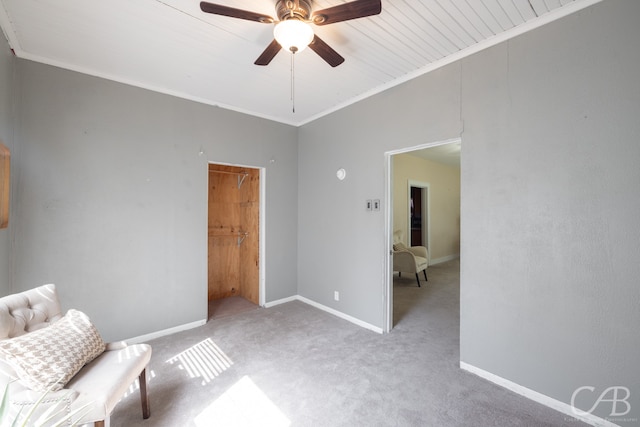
443 259
328 310
164 332
538 397
280 301
180 328
340 314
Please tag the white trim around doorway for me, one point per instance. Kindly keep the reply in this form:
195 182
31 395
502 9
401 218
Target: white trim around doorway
388 226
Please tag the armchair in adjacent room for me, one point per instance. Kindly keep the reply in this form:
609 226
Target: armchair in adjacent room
412 259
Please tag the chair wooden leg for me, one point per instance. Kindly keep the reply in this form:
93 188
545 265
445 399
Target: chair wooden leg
425 275
144 397
418 279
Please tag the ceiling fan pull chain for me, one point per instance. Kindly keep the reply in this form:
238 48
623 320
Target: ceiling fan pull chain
293 86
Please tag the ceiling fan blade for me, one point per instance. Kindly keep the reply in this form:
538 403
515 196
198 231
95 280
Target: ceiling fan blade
269 53
325 52
231 12
344 12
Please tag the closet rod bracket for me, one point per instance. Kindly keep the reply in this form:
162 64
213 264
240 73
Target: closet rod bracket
241 237
241 177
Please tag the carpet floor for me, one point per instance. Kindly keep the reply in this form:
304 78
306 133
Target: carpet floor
229 306
295 365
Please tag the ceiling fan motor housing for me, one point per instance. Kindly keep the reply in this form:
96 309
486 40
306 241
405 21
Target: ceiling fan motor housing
288 9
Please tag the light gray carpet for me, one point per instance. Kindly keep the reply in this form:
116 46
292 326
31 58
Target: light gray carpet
229 306
296 365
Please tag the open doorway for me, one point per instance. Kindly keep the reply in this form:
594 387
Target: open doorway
433 169
234 239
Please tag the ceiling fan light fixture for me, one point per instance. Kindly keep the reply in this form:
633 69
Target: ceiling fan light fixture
293 35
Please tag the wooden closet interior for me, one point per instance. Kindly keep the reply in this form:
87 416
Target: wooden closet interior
233 238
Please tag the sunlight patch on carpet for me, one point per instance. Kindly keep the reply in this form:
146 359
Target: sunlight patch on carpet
243 405
204 360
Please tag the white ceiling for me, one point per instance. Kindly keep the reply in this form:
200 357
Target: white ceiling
447 154
171 46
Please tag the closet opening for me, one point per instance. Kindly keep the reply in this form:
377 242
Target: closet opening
233 239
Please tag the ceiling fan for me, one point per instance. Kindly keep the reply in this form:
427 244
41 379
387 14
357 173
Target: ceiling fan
292 30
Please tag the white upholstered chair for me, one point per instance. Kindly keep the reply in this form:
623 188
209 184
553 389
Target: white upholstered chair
103 378
413 259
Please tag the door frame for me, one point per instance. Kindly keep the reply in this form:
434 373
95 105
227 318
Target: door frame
426 216
261 226
388 225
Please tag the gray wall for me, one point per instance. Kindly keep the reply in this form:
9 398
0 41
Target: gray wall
7 62
551 198
550 201
111 197
341 245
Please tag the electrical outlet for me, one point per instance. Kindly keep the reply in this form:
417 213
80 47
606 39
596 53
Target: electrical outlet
369 203
376 205
336 295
